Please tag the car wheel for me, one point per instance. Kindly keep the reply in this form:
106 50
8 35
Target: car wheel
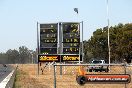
107 70
90 70
96 70
100 70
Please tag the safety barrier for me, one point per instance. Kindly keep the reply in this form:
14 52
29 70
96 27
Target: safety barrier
9 80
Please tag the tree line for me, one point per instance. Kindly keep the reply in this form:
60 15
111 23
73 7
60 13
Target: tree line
22 55
120 44
94 48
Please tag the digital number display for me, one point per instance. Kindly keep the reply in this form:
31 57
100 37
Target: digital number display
70 58
72 26
48 50
71 45
71 50
49 35
49 58
51 45
71 38
48 38
59 58
71 35
49 26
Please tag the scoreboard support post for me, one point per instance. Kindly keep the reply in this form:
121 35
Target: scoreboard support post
37 50
82 42
60 33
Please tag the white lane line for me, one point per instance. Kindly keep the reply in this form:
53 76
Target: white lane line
5 81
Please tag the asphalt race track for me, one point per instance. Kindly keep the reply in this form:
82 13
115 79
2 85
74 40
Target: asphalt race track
4 71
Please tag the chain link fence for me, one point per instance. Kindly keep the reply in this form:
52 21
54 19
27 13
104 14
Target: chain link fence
65 75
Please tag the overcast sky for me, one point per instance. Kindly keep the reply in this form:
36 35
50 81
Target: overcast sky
18 18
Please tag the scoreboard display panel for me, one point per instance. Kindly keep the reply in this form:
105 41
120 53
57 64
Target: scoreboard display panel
48 38
71 38
49 58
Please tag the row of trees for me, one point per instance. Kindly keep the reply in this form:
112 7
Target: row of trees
120 43
95 47
23 55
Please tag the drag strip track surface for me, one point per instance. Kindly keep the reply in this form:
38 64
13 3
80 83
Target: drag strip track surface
5 71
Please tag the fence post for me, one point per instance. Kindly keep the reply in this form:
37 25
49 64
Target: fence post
49 66
64 69
60 70
38 68
54 77
125 72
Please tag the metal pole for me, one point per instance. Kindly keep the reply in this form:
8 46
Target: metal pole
76 10
37 47
82 41
60 38
108 32
125 72
88 64
60 70
32 58
79 34
54 78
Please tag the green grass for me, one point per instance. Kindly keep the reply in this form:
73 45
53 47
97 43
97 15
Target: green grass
15 85
18 75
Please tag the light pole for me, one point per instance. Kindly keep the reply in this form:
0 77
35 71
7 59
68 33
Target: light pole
32 58
108 31
80 49
76 10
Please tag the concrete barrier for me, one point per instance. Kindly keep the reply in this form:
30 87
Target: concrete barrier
9 80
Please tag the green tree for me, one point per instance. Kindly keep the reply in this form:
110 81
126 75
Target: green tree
120 43
24 54
12 55
3 58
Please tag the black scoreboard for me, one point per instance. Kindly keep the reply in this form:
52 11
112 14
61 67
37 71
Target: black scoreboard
71 38
48 38
59 42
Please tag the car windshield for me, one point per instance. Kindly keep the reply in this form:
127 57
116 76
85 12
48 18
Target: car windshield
96 62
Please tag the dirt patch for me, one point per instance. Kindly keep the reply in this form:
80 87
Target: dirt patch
27 78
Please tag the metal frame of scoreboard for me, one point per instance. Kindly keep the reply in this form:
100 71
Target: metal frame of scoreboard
60 43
